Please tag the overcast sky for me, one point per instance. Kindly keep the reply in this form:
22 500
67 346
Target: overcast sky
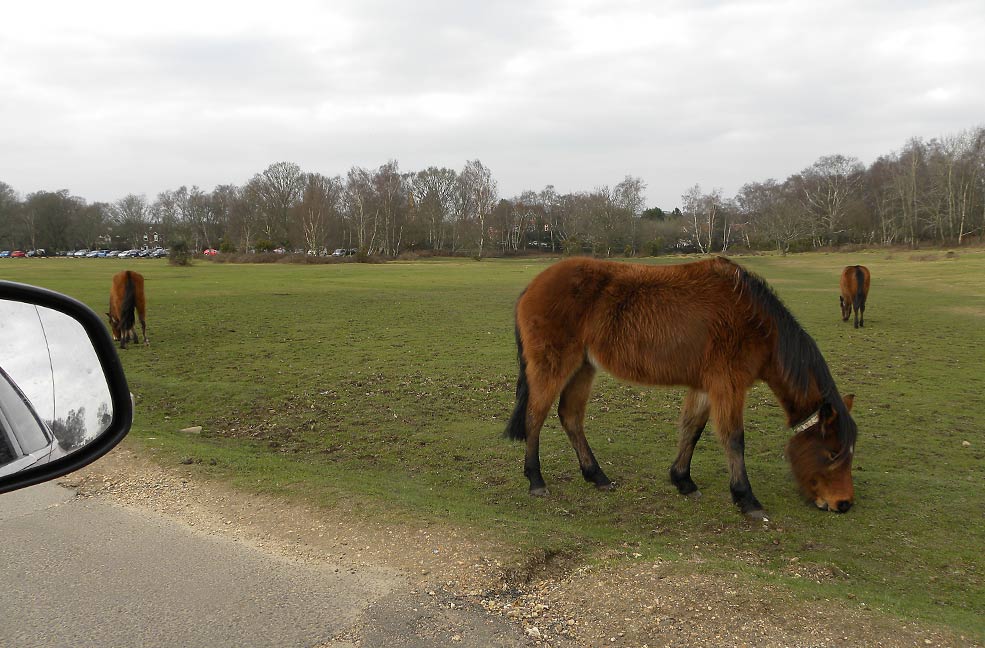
110 98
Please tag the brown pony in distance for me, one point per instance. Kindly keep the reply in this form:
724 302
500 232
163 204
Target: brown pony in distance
711 326
854 291
125 296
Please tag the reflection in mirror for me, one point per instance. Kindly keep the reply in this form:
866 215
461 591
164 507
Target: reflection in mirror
54 397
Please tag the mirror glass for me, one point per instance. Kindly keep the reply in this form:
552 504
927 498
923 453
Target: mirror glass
54 397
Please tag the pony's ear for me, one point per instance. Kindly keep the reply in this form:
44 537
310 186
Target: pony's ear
849 400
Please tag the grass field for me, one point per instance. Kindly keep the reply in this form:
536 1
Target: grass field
385 388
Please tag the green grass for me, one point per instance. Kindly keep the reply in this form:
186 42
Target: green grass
386 387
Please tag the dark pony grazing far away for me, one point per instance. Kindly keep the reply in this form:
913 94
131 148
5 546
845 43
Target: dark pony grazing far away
711 326
125 296
854 291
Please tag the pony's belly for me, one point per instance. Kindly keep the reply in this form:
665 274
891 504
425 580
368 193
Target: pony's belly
648 366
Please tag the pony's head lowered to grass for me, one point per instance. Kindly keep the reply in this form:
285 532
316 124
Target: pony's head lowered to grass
821 462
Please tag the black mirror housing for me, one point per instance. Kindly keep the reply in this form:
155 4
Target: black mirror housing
111 432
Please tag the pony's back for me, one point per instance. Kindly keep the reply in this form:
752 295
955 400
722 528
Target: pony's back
646 324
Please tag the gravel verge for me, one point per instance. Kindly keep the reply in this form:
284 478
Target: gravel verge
617 600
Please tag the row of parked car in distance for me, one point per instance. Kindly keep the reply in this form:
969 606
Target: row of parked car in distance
151 253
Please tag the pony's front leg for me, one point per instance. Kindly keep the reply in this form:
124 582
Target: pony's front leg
742 495
728 419
694 417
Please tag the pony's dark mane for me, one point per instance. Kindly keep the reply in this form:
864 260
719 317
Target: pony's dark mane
798 356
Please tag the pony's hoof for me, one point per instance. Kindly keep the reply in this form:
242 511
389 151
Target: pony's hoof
539 492
606 487
758 515
695 494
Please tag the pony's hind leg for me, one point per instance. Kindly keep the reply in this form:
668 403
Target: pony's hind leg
142 316
694 417
546 375
536 415
543 392
571 411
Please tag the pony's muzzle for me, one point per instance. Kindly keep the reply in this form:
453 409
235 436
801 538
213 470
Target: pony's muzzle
841 507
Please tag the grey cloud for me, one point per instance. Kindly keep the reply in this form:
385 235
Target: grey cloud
676 92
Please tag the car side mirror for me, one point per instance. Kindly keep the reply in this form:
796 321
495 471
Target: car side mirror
64 401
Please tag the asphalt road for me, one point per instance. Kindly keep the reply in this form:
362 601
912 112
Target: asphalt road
85 572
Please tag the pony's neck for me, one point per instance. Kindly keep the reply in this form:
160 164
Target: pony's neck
798 404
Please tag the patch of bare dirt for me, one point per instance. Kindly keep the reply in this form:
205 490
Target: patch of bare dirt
618 600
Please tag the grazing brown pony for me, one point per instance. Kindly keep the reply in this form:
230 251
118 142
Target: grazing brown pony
711 326
125 296
854 291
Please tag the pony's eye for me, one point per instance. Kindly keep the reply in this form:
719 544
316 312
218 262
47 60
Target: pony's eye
831 455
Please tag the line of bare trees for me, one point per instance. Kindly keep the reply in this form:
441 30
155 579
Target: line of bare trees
929 191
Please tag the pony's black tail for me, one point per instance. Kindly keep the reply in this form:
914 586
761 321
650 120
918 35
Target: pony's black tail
516 429
860 290
128 305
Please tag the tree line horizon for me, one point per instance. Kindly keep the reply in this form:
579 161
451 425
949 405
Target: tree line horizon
928 191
